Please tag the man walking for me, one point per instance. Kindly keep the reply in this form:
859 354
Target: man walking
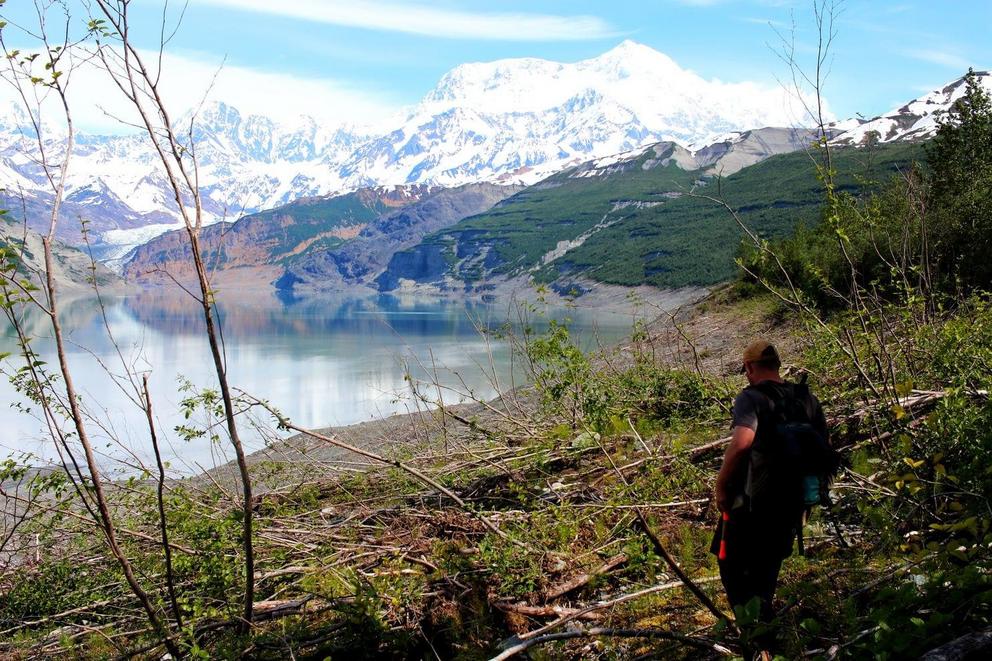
767 479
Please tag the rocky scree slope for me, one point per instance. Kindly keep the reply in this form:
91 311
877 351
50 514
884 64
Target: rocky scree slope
334 243
360 261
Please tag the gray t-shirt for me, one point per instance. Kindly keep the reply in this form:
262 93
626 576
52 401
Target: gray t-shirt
751 404
747 406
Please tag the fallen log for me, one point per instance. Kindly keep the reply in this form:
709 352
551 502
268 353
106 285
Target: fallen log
564 619
702 451
547 611
276 608
583 579
976 645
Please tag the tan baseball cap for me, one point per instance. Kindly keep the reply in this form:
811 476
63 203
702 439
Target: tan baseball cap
760 350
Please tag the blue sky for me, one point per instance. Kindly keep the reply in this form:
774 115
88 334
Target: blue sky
356 57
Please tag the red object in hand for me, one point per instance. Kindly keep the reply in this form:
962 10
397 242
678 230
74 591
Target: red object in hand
723 538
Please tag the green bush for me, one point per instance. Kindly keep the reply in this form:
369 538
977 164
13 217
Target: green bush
960 158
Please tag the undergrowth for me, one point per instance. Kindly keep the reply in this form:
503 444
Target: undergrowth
373 556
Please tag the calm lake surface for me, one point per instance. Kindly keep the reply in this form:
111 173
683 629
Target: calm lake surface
325 363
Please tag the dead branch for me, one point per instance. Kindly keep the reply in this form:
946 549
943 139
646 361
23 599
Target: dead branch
546 611
642 522
583 579
598 632
976 645
564 619
141 87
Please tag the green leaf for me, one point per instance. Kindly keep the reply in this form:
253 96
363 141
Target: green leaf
915 464
904 389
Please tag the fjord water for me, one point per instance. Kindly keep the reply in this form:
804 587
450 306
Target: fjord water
321 363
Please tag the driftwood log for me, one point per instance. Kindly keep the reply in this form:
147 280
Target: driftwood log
972 647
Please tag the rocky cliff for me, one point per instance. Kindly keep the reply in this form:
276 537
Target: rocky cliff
258 246
361 261
74 270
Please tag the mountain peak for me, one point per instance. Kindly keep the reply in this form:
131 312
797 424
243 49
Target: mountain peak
634 51
629 45
916 120
631 79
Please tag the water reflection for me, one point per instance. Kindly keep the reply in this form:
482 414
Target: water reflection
332 361
267 317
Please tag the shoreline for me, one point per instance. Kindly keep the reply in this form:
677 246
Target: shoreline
591 295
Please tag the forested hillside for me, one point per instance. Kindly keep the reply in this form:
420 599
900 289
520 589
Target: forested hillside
647 223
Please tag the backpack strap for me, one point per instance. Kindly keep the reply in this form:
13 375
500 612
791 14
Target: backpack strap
790 401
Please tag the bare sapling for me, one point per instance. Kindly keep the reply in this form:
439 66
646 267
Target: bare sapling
36 87
141 85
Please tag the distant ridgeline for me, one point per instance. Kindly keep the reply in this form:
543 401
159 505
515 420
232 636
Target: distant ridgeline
607 148
514 170
627 220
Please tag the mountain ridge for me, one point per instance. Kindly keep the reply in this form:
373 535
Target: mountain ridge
569 113
915 120
263 240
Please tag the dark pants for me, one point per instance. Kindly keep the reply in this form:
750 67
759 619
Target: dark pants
755 550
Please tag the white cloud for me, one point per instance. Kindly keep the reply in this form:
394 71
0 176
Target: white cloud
700 3
768 22
99 106
942 58
430 21
279 95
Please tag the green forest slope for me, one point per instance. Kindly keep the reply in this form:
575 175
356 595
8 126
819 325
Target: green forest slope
641 226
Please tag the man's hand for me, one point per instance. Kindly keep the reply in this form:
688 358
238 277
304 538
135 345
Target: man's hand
724 501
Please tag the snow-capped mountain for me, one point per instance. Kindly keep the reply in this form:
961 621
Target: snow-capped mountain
520 120
511 121
917 120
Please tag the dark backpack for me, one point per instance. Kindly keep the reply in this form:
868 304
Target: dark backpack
791 463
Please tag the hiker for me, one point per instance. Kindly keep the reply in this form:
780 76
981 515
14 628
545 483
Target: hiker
776 467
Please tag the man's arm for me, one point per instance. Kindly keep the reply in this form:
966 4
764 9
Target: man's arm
736 453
